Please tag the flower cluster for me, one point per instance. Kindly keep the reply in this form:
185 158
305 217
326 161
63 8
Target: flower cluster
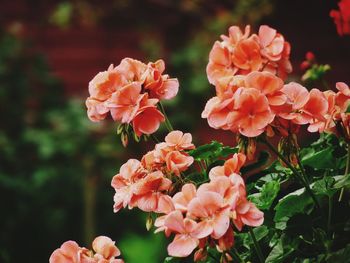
144 184
70 252
241 53
260 101
342 17
206 215
130 92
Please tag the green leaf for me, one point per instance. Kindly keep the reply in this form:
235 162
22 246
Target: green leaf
320 160
348 109
282 250
171 260
266 196
297 202
211 151
325 186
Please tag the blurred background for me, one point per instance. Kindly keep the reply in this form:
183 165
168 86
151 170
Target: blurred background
55 165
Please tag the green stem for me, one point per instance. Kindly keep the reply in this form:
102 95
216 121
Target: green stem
330 207
154 139
234 253
346 171
295 172
167 121
302 169
256 245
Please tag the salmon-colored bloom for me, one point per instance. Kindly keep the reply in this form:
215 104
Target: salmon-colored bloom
241 53
148 118
177 140
272 43
96 109
105 83
270 85
177 162
130 92
125 102
213 213
184 242
252 113
246 55
105 247
70 252
247 214
134 186
231 166
183 198
160 86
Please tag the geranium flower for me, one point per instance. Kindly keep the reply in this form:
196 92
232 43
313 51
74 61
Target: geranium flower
252 113
341 17
184 242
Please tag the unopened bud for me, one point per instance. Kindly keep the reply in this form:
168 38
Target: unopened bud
120 128
124 138
200 255
149 222
136 138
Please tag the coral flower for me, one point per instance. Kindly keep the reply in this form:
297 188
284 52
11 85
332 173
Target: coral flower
183 198
68 252
105 83
160 86
272 43
177 140
184 242
252 113
105 247
217 111
125 102
247 214
96 109
177 162
211 209
231 166
148 118
246 54
147 191
269 85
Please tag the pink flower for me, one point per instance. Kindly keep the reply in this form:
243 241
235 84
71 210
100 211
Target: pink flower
184 242
178 162
68 252
272 43
270 85
213 213
247 214
241 54
183 198
148 118
177 140
105 247
160 86
125 181
252 113
125 102
105 83
96 109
